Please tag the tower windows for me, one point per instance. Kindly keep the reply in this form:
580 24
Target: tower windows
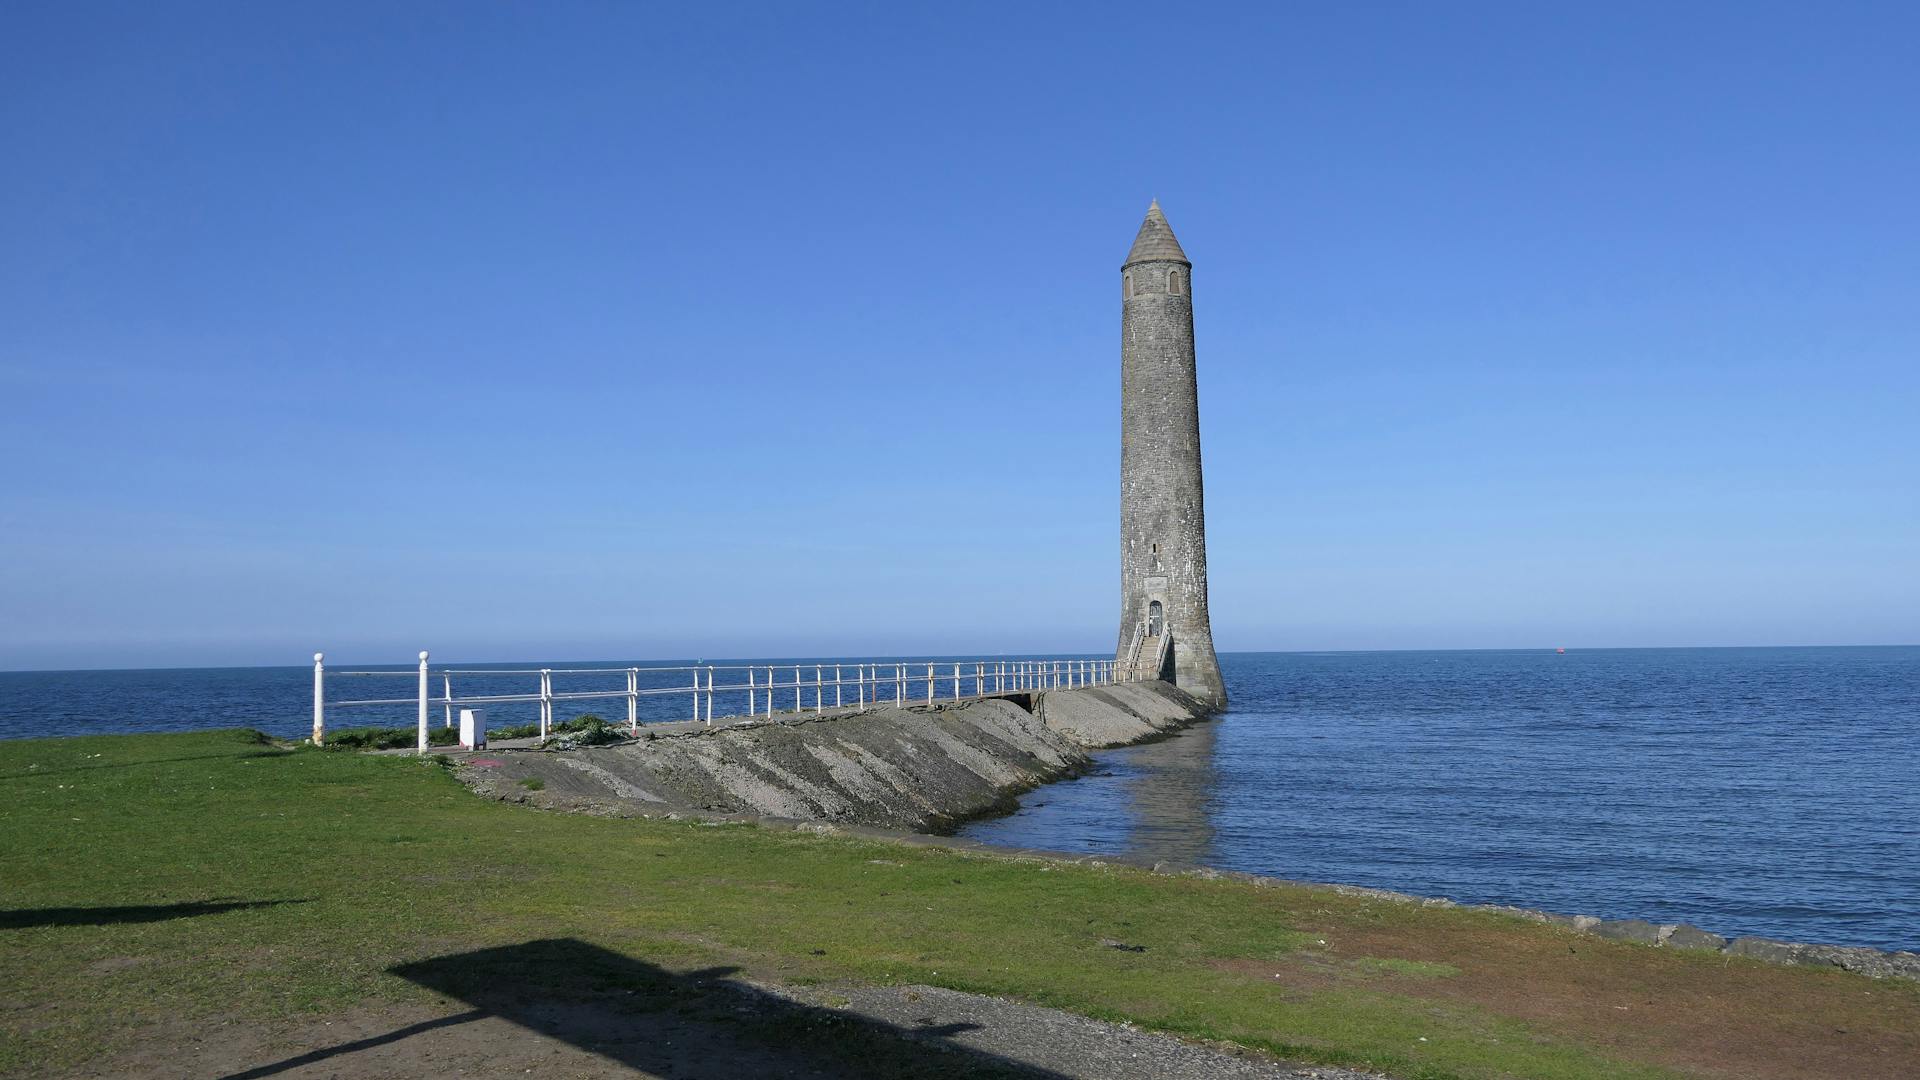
1126 286
1153 559
1173 282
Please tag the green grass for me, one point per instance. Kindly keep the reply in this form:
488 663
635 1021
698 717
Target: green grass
587 729
583 722
354 863
388 738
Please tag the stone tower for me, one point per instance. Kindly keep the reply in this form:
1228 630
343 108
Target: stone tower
1164 629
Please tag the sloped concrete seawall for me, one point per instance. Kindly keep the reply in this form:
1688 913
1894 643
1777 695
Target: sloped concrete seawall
923 768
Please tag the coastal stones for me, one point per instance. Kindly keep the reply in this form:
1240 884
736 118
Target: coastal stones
1863 961
1692 937
1638 930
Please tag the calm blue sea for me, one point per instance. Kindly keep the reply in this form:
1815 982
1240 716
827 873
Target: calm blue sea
1761 791
1747 791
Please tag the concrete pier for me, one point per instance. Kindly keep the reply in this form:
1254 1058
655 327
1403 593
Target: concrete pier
926 768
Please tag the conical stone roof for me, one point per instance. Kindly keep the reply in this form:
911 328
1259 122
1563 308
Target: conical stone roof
1156 240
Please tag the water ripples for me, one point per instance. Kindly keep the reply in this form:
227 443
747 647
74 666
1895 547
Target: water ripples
1750 791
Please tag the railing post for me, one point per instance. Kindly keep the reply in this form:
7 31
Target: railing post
899 685
769 691
836 686
929 684
816 688
319 699
446 695
798 707
633 700
423 701
696 699
956 682
546 702
753 702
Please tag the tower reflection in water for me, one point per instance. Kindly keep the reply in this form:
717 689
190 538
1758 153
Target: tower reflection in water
1155 801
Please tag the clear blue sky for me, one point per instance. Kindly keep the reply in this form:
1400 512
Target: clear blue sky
611 330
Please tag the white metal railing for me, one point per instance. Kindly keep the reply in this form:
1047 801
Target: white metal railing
831 685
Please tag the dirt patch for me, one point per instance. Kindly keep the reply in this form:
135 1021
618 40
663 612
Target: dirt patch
1706 1015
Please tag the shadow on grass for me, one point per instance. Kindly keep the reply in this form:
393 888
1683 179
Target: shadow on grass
699 1024
22 918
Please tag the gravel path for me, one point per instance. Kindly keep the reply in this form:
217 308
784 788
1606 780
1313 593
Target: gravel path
1052 1042
706 1028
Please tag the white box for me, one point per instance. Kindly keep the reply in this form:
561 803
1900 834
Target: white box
473 729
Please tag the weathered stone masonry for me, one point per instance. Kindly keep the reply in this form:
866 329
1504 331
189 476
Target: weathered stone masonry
1163 537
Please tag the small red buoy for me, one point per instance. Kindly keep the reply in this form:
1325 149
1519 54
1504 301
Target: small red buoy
1560 651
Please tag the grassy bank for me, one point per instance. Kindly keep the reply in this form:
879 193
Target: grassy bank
157 883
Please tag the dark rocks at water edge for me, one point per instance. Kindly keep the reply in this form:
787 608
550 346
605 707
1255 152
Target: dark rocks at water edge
922 768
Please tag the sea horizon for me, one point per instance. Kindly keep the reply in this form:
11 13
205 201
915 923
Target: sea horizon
849 657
